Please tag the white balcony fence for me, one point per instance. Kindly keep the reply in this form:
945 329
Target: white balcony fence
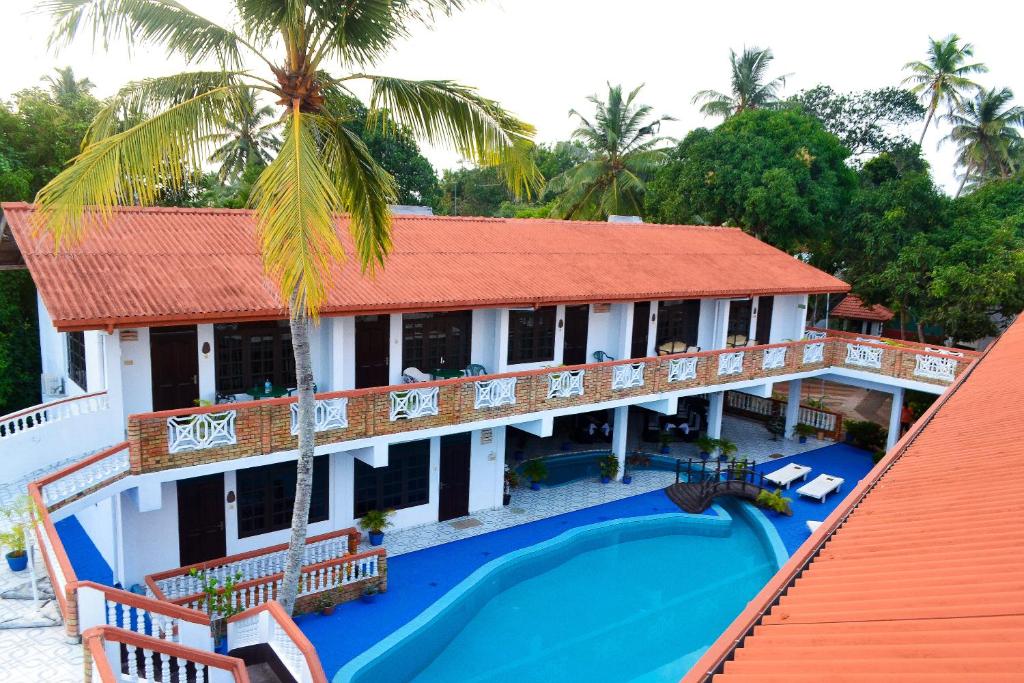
99 471
935 367
565 384
125 657
205 430
103 606
409 404
814 353
768 407
774 358
864 356
494 393
44 414
730 363
270 625
330 413
627 376
682 369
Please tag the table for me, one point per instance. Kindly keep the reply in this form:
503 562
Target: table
258 392
447 374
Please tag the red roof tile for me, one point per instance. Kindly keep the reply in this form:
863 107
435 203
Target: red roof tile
920 574
179 265
853 307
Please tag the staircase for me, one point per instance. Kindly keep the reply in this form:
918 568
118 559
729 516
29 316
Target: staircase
263 664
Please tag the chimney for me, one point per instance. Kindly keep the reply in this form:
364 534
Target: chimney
625 219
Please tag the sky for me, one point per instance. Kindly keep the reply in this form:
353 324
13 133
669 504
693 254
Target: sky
541 58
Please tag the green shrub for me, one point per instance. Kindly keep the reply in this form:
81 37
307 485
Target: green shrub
866 434
376 520
535 470
609 466
804 430
774 501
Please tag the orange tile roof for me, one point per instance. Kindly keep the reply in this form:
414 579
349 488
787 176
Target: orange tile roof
920 574
853 307
182 265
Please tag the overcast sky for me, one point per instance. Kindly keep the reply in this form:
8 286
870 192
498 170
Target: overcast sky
542 57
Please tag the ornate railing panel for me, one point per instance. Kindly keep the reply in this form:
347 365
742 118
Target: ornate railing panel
565 384
864 356
774 358
494 393
409 404
936 367
203 430
682 369
814 353
330 413
628 376
730 363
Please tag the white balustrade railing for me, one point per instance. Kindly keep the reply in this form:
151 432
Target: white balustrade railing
936 367
409 404
330 413
818 419
494 393
565 384
774 358
749 403
730 363
104 606
100 470
204 430
270 625
814 353
627 376
682 369
864 356
126 657
47 413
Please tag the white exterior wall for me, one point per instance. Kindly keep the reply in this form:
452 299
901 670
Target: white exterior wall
150 539
342 353
207 365
51 347
484 338
395 366
99 523
486 470
602 330
136 373
789 316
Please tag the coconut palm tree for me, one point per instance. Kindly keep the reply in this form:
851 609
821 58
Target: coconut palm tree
986 132
749 88
64 85
622 146
287 50
248 138
944 76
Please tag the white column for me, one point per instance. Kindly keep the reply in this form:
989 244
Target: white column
395 366
624 339
793 407
716 401
620 434
207 368
342 353
894 418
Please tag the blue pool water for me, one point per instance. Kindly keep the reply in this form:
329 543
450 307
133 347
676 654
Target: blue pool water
627 600
567 467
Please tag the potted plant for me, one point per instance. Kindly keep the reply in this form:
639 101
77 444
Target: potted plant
726 449
536 471
370 592
326 603
803 431
776 426
375 522
511 481
609 466
220 604
666 440
18 516
775 502
706 445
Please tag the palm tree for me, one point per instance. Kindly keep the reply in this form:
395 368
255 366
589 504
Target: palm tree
64 85
943 76
985 130
284 49
622 153
749 89
248 139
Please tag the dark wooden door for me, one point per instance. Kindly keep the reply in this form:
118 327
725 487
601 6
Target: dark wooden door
577 320
373 343
641 328
174 361
201 519
454 498
764 319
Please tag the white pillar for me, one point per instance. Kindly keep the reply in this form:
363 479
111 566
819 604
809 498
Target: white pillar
716 401
793 407
207 367
620 429
894 418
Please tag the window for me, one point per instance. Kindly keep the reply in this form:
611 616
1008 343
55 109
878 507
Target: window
436 340
531 335
76 359
405 482
739 323
266 496
677 325
248 354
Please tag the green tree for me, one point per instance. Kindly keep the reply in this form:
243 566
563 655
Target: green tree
943 77
750 87
471 192
779 175
323 168
65 87
985 131
623 146
248 139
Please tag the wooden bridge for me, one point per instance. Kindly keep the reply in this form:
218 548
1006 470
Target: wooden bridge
699 482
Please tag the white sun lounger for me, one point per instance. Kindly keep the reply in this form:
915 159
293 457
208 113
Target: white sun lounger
812 525
785 476
820 487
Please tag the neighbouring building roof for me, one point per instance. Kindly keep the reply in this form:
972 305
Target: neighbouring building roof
854 308
920 574
165 266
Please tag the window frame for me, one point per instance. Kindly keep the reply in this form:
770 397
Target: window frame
286 474
533 342
281 358
675 324
77 364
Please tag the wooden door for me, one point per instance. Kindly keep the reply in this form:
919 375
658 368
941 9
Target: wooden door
764 319
174 361
641 328
373 357
201 519
577 320
454 496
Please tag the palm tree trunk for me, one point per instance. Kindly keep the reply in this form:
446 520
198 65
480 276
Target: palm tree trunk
920 331
967 174
927 122
903 324
304 477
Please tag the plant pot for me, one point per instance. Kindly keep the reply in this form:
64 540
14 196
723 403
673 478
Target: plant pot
506 499
376 537
666 449
368 598
604 479
220 645
802 439
17 563
535 486
327 611
627 479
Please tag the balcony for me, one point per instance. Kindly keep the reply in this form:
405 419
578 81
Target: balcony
186 437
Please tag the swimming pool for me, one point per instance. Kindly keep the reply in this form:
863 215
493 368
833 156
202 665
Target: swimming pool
567 467
636 599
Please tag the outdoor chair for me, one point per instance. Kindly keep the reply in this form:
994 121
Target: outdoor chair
601 356
785 476
474 370
412 375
